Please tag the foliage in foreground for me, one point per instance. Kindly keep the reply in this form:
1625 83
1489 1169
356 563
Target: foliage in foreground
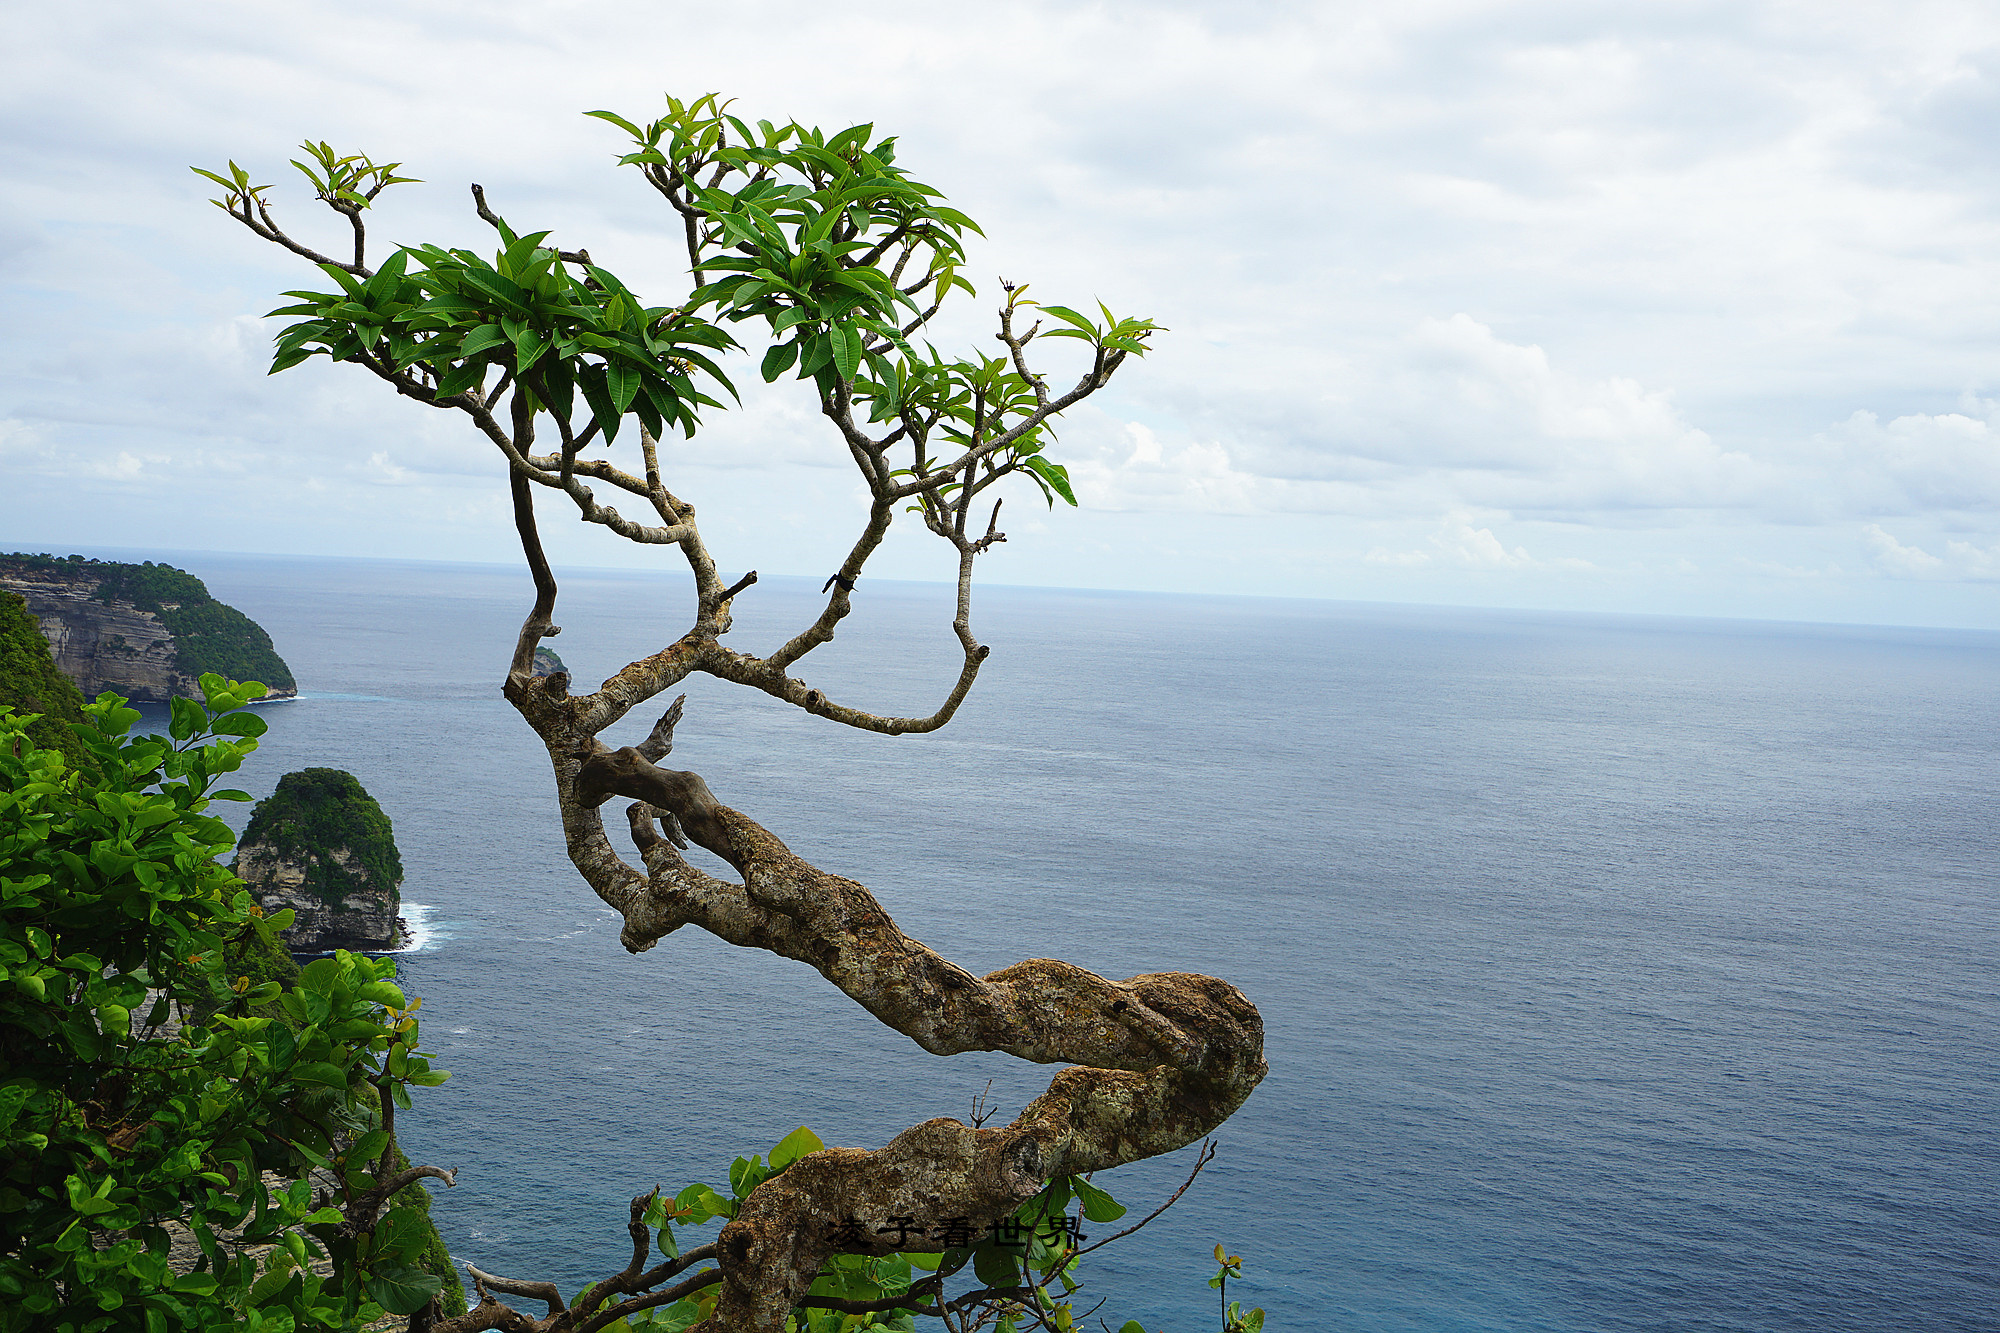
157 1089
148 1093
1020 1274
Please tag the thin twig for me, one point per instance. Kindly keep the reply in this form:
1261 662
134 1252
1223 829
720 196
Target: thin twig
1202 1159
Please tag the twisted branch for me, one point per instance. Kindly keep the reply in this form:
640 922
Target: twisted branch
1157 1061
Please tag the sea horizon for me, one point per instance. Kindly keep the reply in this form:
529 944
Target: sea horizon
669 568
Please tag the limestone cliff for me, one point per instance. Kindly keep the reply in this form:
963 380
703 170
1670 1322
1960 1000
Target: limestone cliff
147 631
321 846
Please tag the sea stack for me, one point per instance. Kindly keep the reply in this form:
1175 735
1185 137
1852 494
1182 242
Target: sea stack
321 846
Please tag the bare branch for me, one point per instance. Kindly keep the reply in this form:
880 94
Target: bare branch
660 743
539 625
534 1291
263 225
1202 1159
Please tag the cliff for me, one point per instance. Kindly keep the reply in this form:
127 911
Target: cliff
321 846
147 631
30 683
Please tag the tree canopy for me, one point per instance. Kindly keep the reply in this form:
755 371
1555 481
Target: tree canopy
837 258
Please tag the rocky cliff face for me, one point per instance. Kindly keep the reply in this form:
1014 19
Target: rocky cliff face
147 632
322 847
364 918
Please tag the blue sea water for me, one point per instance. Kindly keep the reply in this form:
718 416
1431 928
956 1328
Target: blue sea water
1618 973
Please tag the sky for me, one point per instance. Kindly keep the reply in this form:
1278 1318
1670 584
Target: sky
1677 308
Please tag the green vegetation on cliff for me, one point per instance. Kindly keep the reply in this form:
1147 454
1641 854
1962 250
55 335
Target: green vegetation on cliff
30 683
209 636
315 812
122 1133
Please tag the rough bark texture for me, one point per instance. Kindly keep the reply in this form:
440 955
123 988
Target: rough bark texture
1157 1061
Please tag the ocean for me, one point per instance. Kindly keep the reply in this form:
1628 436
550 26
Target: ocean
1618 972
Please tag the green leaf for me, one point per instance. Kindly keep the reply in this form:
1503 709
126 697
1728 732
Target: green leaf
794 1146
403 1290
623 379
746 1174
239 724
460 378
348 282
615 119
996 1267
188 719
558 388
481 338
283 1045
320 976
596 392
846 346
529 349
402 1233
499 288
1097 1205
368 1147
276 1284
779 359
1055 474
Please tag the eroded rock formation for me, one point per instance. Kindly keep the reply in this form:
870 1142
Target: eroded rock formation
321 846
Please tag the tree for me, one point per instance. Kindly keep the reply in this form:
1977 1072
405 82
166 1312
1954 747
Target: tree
829 246
153 1083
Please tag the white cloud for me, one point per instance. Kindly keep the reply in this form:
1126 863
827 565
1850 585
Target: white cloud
1978 562
1916 464
1552 271
1962 560
1457 543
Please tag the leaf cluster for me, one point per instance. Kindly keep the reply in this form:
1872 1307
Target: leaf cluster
844 256
816 237
1023 1271
455 319
146 1090
822 237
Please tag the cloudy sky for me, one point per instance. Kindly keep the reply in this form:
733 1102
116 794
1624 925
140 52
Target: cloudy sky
1664 307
